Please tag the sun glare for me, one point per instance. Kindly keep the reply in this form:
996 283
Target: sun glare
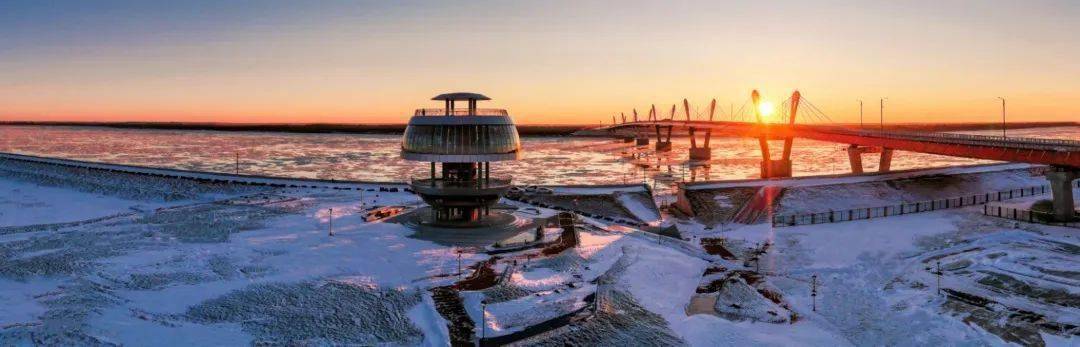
767 110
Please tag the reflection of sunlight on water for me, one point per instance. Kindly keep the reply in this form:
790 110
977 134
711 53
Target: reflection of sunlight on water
547 160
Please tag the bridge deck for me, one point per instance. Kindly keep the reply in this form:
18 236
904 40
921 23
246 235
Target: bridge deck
1013 149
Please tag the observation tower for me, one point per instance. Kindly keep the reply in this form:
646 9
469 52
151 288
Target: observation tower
460 144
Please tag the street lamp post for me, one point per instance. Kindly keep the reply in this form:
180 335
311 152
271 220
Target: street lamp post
1002 116
882 113
860 114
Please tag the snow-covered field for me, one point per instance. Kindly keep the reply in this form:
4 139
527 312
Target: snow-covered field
24 203
217 267
876 273
162 262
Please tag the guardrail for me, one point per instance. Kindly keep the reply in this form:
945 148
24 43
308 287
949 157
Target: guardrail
953 138
940 137
1026 216
204 176
480 183
460 112
904 208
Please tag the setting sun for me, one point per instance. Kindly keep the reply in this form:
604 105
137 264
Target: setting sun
767 111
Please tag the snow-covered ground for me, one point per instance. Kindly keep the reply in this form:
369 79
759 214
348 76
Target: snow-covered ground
23 203
218 268
875 273
223 266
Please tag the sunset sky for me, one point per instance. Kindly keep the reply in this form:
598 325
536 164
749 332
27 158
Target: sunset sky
547 62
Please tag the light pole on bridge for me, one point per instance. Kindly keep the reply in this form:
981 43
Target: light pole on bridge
882 113
860 114
1002 116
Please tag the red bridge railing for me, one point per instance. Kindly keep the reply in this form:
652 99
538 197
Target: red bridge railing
953 138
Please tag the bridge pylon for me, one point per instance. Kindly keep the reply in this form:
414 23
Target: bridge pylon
770 167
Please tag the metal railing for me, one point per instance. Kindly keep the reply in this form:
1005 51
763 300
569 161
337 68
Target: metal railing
953 138
1027 216
460 112
904 208
939 137
476 183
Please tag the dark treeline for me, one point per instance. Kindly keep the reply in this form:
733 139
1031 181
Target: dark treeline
528 130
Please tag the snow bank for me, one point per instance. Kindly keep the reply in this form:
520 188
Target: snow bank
430 322
640 206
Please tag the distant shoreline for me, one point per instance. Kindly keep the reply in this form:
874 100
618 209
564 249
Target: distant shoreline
529 130
525 130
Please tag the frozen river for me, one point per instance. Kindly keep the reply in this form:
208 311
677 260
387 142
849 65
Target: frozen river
547 159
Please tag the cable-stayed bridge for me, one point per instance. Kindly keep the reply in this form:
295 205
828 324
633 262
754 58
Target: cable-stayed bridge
1063 156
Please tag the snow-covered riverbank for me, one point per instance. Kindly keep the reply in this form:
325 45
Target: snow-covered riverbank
183 262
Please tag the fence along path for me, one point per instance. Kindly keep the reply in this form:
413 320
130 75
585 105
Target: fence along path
905 208
1026 216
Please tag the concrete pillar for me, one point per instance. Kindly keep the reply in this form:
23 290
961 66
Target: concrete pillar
663 145
855 157
693 139
1061 186
700 153
775 168
886 160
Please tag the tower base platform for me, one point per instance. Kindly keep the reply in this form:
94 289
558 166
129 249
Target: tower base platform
502 227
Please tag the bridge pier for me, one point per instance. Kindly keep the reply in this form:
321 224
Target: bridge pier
776 168
885 161
854 154
700 153
661 144
1061 188
855 158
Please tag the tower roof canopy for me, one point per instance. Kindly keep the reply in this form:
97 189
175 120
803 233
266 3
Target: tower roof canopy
461 96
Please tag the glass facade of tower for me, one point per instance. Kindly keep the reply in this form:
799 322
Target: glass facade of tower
461 139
